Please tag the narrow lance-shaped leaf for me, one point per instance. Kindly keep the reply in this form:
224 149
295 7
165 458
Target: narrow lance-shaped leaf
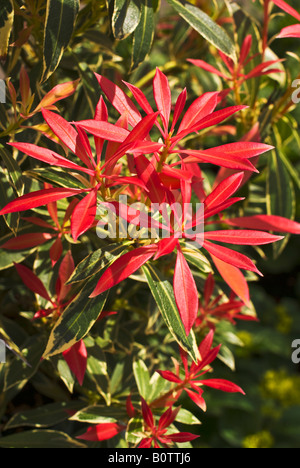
143 35
185 291
162 96
231 257
119 99
39 198
205 26
6 23
84 214
32 281
59 25
123 267
125 18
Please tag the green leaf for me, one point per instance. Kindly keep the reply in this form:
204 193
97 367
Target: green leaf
205 26
76 320
142 378
59 25
44 416
163 294
55 176
40 439
280 195
98 414
6 23
143 35
125 18
96 261
17 372
14 171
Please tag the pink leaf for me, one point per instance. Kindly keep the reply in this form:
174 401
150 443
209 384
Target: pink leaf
179 106
56 251
104 130
241 149
76 358
185 291
219 159
287 8
123 267
290 31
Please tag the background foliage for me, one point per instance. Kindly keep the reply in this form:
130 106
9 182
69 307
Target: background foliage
62 41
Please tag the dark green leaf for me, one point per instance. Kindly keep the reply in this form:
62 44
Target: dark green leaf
125 18
205 26
60 20
143 35
163 294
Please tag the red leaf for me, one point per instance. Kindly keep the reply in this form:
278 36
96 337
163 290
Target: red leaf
84 214
39 198
207 67
26 241
245 49
199 109
162 96
147 173
196 398
102 431
206 344
223 385
185 291
147 414
180 437
266 223
104 130
170 376
101 114
209 121
139 133
234 278
56 251
140 98
119 99
241 149
231 257
290 31
66 268
32 281
166 246
287 8
179 106
219 159
123 267
242 237
48 156
223 191
67 135
76 358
